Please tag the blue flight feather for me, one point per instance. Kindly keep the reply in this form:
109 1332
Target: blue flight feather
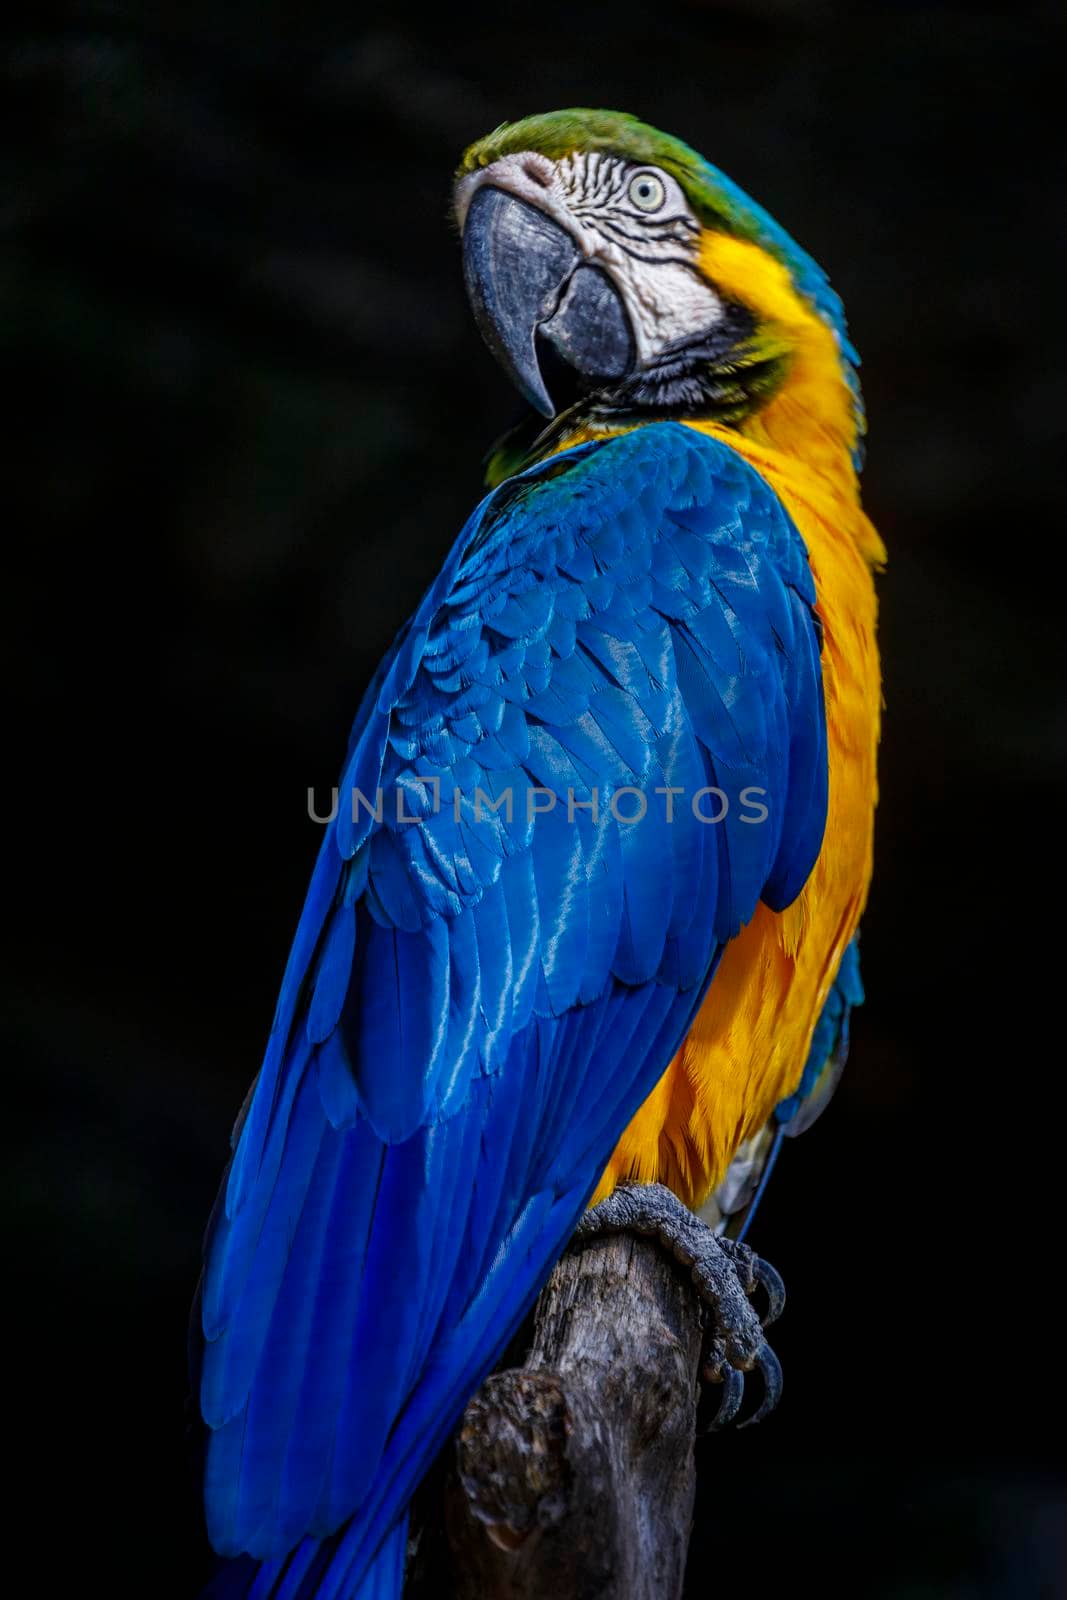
482 992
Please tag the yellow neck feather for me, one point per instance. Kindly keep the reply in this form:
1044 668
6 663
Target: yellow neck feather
802 440
812 415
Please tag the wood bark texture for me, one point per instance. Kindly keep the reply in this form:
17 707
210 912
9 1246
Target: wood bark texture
573 1474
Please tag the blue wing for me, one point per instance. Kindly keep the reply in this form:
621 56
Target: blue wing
829 1049
737 1200
478 1001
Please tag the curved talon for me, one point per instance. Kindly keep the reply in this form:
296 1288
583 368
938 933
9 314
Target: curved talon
773 1288
733 1392
770 1368
727 1274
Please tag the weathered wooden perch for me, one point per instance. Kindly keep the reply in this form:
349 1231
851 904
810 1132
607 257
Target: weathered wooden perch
573 1475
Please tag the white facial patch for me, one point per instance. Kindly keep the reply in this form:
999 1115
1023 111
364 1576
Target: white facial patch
637 225
632 222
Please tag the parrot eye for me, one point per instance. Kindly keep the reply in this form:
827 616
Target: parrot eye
646 191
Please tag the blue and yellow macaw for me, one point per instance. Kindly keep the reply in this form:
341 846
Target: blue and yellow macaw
584 918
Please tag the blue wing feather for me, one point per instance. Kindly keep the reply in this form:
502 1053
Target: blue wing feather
478 1000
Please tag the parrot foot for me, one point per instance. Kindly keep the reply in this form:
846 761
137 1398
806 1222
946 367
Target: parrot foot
726 1274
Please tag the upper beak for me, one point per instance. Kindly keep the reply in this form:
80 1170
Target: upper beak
526 278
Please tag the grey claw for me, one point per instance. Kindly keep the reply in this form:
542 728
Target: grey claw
773 1288
733 1392
769 1366
726 1273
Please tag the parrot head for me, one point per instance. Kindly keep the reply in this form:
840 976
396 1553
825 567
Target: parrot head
617 275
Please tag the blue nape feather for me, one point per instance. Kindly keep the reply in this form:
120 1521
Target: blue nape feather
478 1001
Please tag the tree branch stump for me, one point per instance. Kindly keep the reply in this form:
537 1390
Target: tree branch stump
573 1475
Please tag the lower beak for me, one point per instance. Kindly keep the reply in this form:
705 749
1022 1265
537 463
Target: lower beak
527 280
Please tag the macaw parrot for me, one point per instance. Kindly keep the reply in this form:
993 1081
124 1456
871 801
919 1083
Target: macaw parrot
581 932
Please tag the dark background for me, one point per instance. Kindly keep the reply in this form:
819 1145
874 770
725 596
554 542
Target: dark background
246 409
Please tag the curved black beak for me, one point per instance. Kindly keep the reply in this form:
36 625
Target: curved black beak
527 280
